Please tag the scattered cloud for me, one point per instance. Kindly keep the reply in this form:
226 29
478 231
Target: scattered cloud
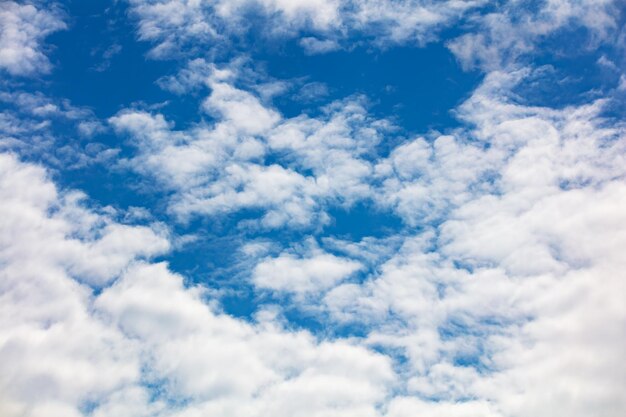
496 290
23 28
314 46
317 271
491 38
220 167
104 350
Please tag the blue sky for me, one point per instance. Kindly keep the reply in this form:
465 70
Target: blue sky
312 208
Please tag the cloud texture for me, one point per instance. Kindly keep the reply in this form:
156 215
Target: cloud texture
475 270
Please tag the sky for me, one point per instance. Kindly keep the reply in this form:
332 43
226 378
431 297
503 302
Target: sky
312 208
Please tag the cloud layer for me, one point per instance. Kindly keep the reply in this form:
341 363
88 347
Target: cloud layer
481 274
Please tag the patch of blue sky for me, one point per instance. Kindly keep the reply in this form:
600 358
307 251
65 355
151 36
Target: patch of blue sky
79 53
415 87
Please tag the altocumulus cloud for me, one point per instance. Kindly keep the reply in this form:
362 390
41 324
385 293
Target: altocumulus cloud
233 255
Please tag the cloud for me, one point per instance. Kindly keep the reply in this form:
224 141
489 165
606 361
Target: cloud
503 36
504 263
132 347
518 268
314 272
314 46
22 30
29 124
51 247
488 39
500 294
106 57
517 212
222 167
38 105
176 25
332 160
310 92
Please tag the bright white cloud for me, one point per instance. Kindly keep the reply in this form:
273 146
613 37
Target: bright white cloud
524 203
221 167
316 272
55 354
23 28
501 296
521 268
66 350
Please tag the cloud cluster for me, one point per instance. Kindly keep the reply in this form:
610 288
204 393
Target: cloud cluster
501 294
491 37
315 271
131 348
23 28
518 256
515 29
480 339
293 169
251 158
512 304
27 125
176 25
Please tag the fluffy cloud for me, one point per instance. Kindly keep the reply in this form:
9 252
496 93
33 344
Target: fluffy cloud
522 266
333 159
502 36
500 294
22 30
316 272
55 353
518 210
132 348
225 166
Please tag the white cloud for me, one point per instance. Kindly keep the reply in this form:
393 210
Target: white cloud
240 108
176 25
507 33
29 119
22 30
314 272
489 39
502 297
410 406
55 354
314 46
222 167
66 349
521 268
38 105
331 160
